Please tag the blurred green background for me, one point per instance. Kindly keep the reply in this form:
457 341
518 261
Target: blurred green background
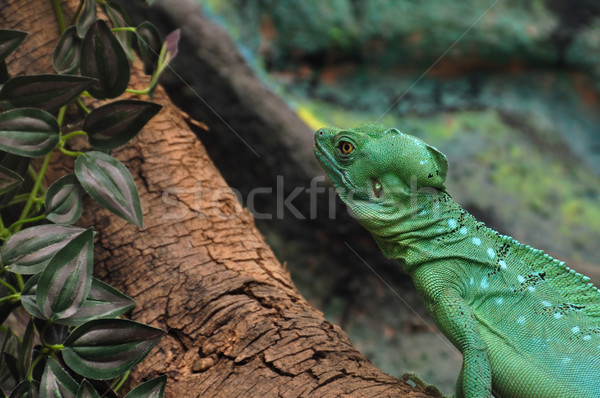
507 89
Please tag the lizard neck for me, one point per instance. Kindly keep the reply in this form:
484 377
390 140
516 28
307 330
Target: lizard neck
426 229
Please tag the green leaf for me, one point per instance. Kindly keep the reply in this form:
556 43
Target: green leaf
104 301
103 58
56 383
9 180
28 132
86 18
64 200
17 164
65 58
106 348
154 388
25 350
47 91
9 40
28 297
6 307
149 43
65 283
115 123
86 390
29 251
108 181
26 389
118 17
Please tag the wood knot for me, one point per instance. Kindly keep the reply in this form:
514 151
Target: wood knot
203 364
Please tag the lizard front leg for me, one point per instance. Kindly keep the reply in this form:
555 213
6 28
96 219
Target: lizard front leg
455 319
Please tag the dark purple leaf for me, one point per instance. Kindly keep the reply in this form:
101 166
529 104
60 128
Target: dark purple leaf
114 124
48 92
149 44
103 58
9 40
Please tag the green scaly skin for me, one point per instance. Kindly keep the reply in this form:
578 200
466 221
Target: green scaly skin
527 325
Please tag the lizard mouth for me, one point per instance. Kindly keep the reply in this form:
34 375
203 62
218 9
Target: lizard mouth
336 174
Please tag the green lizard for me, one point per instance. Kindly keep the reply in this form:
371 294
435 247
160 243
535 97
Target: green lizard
527 325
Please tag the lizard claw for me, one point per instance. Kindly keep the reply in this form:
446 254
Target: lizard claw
421 384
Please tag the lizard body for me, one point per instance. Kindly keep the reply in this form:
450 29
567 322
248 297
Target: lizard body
527 325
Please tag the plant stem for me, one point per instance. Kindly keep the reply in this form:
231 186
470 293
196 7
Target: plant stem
72 134
34 191
8 286
140 92
121 382
82 105
61 115
70 153
124 29
59 15
33 365
26 220
11 297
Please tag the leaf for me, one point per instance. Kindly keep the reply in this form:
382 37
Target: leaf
25 350
4 76
56 383
119 18
65 58
28 297
106 348
26 389
64 200
46 91
9 40
104 301
52 333
28 251
86 390
65 283
103 58
9 180
28 132
114 124
167 53
108 181
154 388
86 18
149 42
17 164
170 47
6 307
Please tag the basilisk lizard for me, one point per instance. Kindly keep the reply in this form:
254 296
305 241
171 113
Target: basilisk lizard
527 325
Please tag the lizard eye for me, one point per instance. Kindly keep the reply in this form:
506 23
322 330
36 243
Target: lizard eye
345 147
377 188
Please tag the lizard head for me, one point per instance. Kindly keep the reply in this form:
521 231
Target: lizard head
375 169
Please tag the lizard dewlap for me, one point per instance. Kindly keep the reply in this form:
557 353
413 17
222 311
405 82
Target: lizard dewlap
527 325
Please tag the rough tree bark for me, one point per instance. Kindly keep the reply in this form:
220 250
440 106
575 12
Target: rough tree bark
201 270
